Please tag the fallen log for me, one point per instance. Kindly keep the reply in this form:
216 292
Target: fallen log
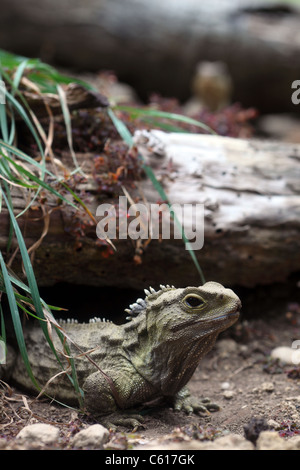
249 190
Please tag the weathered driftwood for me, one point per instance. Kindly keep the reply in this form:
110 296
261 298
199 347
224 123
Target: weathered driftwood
250 191
156 45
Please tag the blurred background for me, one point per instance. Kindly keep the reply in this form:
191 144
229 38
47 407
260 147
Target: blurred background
251 46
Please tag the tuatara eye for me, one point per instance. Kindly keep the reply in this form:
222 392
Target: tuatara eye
193 301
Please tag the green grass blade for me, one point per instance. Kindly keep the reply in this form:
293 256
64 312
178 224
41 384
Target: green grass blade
19 72
34 292
163 125
16 321
2 325
3 122
20 336
20 284
121 128
12 126
9 60
37 180
26 119
27 264
23 156
136 112
10 232
40 73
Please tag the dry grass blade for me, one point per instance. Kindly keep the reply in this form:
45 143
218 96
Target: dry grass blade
47 140
32 414
46 219
44 389
16 185
67 118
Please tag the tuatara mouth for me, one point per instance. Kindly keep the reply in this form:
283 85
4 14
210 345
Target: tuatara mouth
231 315
227 319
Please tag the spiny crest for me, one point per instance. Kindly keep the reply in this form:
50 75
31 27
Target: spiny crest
99 320
63 321
141 304
73 321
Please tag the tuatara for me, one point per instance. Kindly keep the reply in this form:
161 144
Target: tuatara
151 356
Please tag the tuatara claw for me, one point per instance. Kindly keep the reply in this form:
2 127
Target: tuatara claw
129 421
185 402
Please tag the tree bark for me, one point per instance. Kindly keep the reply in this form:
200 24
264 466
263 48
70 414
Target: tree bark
250 192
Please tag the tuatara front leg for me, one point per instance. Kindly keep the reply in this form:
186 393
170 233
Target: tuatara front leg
184 401
105 398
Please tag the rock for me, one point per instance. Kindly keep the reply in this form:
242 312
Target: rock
254 427
229 442
284 127
273 424
38 435
293 443
270 440
225 385
226 347
267 387
232 442
228 394
286 354
92 437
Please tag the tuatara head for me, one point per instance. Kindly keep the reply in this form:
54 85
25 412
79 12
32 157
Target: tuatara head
176 328
203 310
211 304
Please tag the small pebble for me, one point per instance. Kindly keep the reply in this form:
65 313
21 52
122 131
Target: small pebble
273 424
286 355
225 385
267 387
92 437
228 394
38 435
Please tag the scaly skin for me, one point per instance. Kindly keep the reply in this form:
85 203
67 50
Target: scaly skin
151 356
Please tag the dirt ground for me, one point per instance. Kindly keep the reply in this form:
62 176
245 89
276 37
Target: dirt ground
238 374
